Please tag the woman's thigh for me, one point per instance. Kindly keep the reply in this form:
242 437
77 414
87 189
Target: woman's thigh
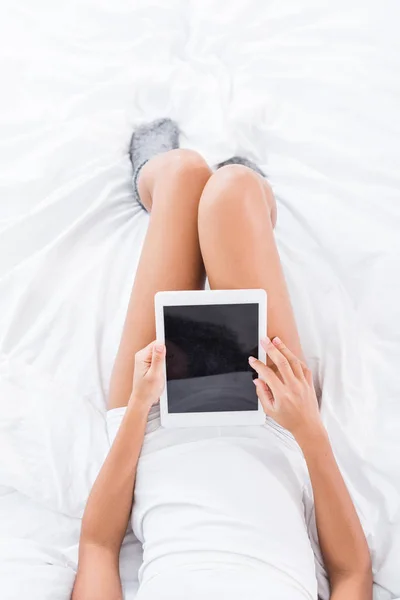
171 184
236 222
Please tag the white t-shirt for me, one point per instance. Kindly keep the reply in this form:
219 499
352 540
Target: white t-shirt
221 513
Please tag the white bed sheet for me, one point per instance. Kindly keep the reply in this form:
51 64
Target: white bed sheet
310 90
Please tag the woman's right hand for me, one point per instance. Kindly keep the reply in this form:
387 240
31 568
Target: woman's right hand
149 375
289 399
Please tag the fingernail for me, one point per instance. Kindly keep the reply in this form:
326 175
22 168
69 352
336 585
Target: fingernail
255 382
276 341
265 341
252 360
159 347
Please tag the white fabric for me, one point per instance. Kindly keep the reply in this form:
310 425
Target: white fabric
223 506
309 89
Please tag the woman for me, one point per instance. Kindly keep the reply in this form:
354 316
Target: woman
220 511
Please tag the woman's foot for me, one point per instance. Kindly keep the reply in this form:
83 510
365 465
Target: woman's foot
241 160
147 141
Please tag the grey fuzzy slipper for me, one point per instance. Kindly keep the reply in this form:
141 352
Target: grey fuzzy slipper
147 141
241 160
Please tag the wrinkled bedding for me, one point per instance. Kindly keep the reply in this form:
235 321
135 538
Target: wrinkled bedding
311 91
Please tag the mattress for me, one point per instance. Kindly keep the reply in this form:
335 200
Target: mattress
308 89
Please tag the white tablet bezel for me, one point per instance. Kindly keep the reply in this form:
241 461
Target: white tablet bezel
200 297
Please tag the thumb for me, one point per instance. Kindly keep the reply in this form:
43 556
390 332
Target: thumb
265 396
157 358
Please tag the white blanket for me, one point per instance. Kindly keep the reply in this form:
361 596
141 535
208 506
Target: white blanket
310 90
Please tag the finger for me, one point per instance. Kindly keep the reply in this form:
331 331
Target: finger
145 354
267 375
279 360
157 358
308 375
296 364
265 396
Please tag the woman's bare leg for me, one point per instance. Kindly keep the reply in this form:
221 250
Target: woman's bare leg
170 186
237 214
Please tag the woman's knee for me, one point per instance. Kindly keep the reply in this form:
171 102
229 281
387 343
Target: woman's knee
179 163
170 169
234 186
230 183
183 161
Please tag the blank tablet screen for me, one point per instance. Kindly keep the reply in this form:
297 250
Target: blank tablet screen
208 347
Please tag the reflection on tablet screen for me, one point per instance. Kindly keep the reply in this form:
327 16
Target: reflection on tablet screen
208 347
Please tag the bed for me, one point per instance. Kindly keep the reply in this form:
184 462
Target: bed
311 91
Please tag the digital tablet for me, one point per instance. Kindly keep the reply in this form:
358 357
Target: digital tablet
209 336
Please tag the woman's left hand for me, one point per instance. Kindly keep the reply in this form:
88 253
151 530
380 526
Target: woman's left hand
289 399
149 375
